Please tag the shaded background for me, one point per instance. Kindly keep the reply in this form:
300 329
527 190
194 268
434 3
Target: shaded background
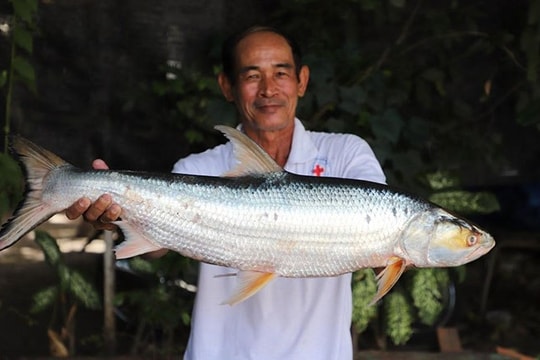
446 93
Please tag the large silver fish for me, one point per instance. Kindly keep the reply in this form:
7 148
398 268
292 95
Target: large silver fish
258 218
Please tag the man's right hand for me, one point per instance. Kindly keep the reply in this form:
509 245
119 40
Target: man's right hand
101 212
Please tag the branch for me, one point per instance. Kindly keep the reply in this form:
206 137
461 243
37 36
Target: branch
386 53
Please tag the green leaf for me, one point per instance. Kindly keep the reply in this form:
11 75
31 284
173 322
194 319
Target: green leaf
139 264
442 180
50 248
23 39
3 78
352 98
25 70
25 9
64 275
84 291
399 318
426 293
398 3
409 163
193 136
417 131
530 114
388 126
44 299
364 289
11 184
465 202
437 78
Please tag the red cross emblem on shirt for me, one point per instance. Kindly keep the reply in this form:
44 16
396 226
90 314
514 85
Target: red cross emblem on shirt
317 170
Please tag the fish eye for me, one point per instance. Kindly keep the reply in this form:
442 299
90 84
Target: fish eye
472 239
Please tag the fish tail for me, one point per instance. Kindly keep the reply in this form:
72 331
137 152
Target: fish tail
31 211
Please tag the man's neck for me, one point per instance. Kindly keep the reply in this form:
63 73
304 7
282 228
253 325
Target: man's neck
276 143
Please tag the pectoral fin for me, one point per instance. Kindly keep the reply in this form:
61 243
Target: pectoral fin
388 277
249 282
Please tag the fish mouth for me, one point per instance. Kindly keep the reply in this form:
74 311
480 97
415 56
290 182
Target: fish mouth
482 249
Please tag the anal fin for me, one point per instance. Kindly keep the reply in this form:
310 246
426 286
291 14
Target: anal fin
134 243
249 282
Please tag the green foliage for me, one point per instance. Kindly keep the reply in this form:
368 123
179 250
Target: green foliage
399 318
422 82
419 80
186 100
11 184
44 299
446 193
364 289
20 69
406 76
466 202
426 291
166 305
70 282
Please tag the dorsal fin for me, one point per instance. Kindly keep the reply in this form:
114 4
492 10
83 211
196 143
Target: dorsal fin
252 159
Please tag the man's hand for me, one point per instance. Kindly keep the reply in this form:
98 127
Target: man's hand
101 212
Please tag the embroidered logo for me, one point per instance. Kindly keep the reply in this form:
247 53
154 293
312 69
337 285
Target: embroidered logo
319 168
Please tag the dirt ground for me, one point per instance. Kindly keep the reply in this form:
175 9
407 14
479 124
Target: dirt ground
498 305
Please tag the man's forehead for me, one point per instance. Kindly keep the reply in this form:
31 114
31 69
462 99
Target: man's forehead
264 44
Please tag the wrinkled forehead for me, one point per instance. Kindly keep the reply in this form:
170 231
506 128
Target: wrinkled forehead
263 48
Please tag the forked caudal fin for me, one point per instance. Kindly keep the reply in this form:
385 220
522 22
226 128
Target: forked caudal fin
31 212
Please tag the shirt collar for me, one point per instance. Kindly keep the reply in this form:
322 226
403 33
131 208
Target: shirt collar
302 149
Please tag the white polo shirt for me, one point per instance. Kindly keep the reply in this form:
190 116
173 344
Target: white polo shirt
289 318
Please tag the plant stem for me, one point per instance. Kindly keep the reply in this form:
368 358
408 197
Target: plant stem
9 94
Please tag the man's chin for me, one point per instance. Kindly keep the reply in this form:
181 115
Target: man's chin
269 124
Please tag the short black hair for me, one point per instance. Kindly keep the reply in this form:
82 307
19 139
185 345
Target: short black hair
228 51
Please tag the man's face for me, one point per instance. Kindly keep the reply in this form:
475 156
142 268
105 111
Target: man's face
267 88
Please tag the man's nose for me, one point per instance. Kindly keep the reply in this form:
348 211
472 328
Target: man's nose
268 86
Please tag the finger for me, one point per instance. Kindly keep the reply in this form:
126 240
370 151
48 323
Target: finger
104 226
99 164
98 207
78 208
111 214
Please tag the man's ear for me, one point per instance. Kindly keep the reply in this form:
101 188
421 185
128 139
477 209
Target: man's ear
226 87
303 79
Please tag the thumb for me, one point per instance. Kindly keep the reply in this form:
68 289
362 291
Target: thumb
99 164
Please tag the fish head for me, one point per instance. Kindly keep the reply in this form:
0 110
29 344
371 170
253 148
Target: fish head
446 241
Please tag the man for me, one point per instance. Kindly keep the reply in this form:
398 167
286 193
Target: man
289 318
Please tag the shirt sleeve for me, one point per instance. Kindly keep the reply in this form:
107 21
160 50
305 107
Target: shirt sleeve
212 162
351 157
360 162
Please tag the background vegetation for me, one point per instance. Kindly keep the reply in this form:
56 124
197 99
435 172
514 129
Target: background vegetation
446 93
